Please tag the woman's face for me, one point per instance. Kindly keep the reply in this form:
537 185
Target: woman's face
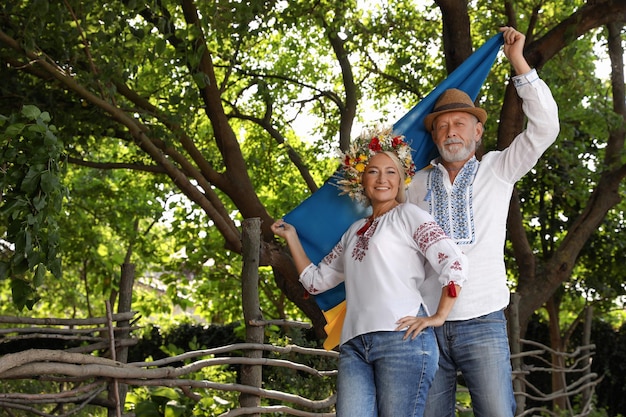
381 179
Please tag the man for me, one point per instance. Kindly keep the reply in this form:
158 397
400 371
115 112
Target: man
470 200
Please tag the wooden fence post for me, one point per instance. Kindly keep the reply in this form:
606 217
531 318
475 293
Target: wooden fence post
587 392
124 305
251 374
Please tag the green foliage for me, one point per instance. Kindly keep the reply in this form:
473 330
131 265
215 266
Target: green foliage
98 240
35 387
172 402
555 194
32 195
464 402
299 383
174 340
159 343
282 88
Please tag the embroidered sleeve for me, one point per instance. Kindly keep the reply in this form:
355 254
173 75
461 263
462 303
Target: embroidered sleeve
328 274
334 254
443 254
427 234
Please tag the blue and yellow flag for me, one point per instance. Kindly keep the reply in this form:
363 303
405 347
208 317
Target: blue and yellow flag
322 218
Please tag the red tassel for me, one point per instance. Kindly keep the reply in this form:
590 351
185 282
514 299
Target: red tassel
363 229
451 289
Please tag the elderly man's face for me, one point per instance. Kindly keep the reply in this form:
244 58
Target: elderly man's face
456 135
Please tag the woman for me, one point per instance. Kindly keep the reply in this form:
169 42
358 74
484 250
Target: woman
388 352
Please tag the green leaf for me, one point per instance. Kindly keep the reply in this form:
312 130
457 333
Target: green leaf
31 112
31 180
175 410
15 129
22 293
19 265
159 46
50 140
147 409
28 242
55 267
40 273
49 182
165 392
45 117
11 206
39 202
20 243
200 79
38 128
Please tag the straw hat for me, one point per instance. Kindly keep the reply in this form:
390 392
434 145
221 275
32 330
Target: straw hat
454 100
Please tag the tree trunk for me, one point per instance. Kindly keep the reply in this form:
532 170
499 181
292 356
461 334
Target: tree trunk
457 39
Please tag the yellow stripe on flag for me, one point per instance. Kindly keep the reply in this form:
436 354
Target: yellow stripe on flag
334 324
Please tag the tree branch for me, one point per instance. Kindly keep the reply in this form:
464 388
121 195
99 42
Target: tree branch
116 165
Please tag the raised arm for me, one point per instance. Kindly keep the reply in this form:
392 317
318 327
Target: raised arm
289 233
514 49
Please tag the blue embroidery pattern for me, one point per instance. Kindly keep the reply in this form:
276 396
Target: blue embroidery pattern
454 212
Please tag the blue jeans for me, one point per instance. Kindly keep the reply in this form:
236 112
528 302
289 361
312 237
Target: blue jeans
381 375
479 348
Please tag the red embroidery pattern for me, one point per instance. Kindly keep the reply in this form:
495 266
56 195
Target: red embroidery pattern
441 257
312 290
427 235
328 259
456 266
334 254
362 244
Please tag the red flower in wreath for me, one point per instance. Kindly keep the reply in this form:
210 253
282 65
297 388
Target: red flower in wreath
375 145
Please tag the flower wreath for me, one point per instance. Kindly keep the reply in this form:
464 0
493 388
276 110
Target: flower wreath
368 144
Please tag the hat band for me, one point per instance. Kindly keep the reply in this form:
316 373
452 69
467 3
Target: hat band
452 106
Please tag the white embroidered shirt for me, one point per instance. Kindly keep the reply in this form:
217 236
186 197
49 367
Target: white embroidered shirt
384 268
473 210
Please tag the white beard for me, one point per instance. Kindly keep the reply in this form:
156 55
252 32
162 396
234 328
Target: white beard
459 155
